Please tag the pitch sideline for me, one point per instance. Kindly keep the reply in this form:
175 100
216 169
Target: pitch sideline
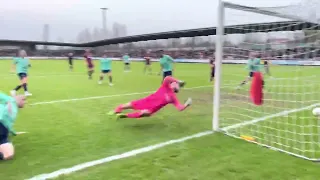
146 149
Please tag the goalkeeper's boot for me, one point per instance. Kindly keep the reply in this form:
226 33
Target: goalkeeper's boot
111 113
121 116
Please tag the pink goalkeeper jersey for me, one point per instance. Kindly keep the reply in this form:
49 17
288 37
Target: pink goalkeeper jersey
162 97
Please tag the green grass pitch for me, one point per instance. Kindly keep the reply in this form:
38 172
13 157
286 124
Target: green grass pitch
66 133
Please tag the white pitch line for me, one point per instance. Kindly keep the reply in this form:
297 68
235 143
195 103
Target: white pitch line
100 97
132 153
135 152
18 133
47 76
282 113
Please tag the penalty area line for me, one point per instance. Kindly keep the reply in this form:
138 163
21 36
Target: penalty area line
128 154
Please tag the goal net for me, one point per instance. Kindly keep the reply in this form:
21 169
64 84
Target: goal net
288 39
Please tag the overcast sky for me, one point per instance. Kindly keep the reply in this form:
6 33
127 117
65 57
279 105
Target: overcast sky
24 19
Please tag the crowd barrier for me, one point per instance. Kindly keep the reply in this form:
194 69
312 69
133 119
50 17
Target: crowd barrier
308 62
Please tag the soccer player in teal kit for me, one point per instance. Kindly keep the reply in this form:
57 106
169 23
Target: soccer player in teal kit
166 63
105 65
21 65
8 113
126 59
253 65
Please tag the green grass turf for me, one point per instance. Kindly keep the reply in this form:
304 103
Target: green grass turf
69 133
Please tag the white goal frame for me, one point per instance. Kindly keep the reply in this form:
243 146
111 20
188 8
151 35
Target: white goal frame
218 64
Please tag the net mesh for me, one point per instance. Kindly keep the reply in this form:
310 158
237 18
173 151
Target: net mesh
306 10
285 121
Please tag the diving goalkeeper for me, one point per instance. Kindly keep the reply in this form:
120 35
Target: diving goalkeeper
153 103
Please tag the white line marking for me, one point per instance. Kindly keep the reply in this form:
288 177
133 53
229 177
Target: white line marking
135 152
18 133
100 97
282 113
46 76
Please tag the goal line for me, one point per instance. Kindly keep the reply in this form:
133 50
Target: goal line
225 130
282 113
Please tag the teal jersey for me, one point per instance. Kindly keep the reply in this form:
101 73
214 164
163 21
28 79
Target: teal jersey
8 111
166 63
105 64
254 65
126 58
22 65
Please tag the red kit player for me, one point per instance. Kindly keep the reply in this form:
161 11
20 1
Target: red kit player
88 58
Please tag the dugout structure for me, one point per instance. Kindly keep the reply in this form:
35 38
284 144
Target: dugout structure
285 121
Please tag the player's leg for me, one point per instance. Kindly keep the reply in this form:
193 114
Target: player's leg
70 65
109 73
121 107
212 75
136 115
90 71
165 74
14 91
149 68
126 67
145 68
24 82
6 148
267 70
102 74
246 80
6 151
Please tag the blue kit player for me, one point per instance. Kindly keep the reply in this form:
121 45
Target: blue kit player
105 64
21 66
166 63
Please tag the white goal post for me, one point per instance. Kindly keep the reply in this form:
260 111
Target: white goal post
285 121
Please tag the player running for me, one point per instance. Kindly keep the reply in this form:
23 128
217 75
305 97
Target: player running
147 64
8 113
70 60
166 63
153 103
88 58
126 60
253 65
105 64
21 64
212 68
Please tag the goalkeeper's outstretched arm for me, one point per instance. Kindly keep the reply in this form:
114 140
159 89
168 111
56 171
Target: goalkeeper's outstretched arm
180 106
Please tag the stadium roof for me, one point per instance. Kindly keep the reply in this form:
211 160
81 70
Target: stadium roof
7 42
233 29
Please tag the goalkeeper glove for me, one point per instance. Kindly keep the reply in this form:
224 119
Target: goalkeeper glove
182 83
